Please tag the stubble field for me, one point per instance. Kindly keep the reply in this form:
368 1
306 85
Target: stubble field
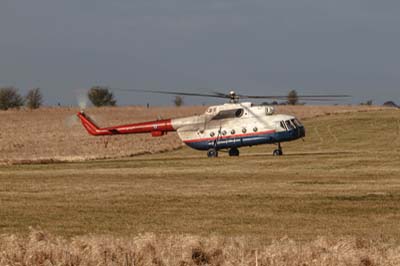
331 200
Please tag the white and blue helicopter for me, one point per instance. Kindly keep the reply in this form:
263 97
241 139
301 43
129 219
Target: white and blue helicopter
222 127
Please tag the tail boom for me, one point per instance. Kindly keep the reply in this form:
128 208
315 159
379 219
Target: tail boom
156 128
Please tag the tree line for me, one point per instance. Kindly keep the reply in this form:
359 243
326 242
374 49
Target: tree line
98 96
10 98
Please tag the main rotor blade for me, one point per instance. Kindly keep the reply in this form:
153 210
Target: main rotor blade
216 95
299 96
319 99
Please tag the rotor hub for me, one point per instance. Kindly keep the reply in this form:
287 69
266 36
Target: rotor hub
234 98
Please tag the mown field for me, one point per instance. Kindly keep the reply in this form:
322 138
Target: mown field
344 179
341 182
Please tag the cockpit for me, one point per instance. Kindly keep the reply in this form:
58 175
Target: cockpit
290 124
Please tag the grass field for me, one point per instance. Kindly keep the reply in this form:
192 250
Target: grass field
343 180
330 200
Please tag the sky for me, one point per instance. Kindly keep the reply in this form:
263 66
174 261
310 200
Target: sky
259 47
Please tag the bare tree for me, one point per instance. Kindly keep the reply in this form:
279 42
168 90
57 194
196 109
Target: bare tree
101 96
369 102
293 98
10 98
178 101
34 98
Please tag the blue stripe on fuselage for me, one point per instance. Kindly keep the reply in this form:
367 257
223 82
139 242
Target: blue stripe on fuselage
248 140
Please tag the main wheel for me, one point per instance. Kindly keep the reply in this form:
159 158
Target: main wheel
277 152
234 152
212 153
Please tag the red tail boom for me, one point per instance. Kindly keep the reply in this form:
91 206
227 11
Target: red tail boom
156 128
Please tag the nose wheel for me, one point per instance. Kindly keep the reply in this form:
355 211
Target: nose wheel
278 151
234 152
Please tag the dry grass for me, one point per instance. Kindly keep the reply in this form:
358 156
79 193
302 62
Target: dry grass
43 249
50 134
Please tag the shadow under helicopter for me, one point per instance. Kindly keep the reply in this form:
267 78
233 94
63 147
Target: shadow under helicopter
243 155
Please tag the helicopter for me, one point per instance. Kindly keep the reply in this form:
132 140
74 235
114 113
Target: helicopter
228 126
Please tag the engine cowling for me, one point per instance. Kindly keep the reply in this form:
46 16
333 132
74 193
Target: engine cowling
269 110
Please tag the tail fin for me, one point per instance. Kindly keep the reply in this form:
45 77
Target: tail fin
91 126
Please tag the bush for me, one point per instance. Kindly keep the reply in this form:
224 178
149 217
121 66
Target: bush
178 101
292 97
369 103
391 104
34 98
101 96
10 98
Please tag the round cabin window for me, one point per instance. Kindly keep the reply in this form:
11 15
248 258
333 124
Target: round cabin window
255 129
233 131
223 132
212 134
244 130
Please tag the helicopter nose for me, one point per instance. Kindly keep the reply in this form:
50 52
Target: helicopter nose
301 132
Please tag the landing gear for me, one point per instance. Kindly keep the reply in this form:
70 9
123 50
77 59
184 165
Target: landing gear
212 153
234 152
278 151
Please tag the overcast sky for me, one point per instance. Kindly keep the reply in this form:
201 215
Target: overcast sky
254 46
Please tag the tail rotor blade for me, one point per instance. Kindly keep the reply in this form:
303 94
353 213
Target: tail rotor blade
71 121
81 98
82 101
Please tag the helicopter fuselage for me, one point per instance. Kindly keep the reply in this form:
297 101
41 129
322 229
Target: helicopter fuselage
226 126
237 125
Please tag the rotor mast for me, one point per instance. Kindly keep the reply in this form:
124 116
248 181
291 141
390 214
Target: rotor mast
233 97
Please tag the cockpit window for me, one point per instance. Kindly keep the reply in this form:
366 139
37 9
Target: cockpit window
289 125
296 122
283 125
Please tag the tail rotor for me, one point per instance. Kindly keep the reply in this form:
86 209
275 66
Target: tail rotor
82 101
